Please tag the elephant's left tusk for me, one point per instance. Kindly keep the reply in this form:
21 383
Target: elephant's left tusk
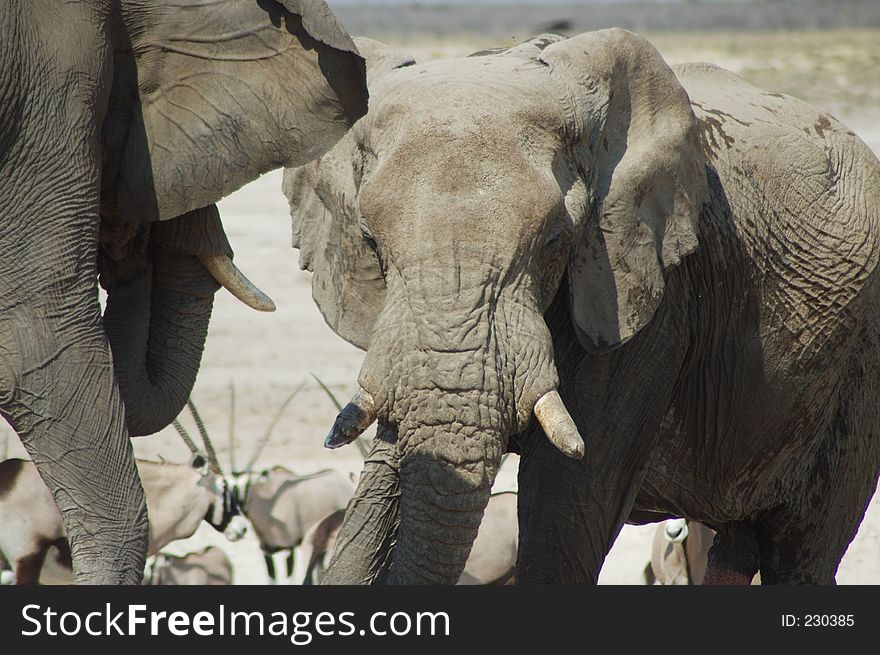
233 280
558 424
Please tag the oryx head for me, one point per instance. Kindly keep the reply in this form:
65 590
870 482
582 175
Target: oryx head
224 512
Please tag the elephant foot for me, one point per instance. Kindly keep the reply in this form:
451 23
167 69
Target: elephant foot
734 558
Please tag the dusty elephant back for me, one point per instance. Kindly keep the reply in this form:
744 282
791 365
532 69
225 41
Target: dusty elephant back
804 190
787 283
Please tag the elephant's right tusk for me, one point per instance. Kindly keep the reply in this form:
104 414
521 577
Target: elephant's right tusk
227 274
558 424
352 421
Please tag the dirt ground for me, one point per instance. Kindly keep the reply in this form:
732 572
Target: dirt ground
267 355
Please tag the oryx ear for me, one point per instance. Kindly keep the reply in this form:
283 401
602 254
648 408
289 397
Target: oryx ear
635 141
348 284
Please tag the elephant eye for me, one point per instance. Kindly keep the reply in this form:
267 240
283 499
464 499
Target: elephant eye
560 231
554 241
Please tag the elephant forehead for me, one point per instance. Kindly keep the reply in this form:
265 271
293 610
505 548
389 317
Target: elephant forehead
458 175
459 199
459 94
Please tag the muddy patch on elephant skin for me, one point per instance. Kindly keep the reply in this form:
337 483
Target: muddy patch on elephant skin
822 124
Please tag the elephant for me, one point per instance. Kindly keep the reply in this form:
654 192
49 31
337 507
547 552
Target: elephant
122 122
659 286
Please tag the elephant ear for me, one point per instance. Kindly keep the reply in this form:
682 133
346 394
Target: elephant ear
635 144
207 96
348 283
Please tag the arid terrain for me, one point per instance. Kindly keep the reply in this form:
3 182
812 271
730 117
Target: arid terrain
268 355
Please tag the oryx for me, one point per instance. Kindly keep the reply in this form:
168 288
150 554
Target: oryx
179 497
281 504
209 566
314 553
679 553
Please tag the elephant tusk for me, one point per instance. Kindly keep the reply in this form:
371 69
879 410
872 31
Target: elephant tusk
558 424
227 274
352 421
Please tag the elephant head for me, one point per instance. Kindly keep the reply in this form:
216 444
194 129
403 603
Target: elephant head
445 224
205 97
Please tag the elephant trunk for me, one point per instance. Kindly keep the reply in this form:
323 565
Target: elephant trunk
157 316
454 410
445 483
453 396
365 542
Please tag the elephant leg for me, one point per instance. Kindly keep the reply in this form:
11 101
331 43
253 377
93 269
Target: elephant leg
734 557
62 400
571 511
804 543
57 387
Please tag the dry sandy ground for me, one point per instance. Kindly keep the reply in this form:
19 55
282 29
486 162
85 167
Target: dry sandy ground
268 355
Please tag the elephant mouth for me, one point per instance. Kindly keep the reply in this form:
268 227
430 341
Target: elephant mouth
160 280
360 413
121 241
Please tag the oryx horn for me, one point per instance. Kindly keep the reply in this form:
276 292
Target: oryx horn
265 440
203 432
232 469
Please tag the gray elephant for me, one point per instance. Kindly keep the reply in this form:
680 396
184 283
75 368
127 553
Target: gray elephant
114 116
568 246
